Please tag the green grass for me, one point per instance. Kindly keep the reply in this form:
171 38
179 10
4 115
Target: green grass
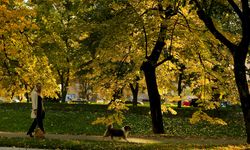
77 119
99 145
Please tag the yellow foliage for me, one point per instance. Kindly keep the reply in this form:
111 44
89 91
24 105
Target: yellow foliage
172 111
15 26
83 36
107 120
5 1
166 109
173 98
111 119
202 116
118 107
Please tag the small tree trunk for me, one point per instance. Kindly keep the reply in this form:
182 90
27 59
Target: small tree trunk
179 87
154 97
27 97
64 94
239 52
64 82
64 91
149 70
134 93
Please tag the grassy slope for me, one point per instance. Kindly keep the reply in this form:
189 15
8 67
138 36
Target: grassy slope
77 119
98 145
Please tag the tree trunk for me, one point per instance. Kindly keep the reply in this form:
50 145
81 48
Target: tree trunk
179 87
64 94
135 91
154 97
27 97
241 81
64 90
64 82
239 52
26 94
150 65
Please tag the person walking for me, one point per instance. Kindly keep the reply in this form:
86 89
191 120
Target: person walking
37 113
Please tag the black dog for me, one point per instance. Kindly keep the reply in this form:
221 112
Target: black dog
123 132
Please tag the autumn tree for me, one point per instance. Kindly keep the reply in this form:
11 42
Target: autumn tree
236 15
205 61
111 45
166 12
173 43
60 37
20 68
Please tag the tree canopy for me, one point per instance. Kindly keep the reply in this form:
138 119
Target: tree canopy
173 48
20 68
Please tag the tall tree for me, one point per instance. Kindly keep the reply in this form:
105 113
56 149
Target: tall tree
60 37
114 30
134 87
239 48
149 66
20 68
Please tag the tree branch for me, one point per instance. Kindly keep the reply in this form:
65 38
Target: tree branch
164 60
245 6
236 8
172 37
245 22
147 10
210 25
146 41
185 18
143 26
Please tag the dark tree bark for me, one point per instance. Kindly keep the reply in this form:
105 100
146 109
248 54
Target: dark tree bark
149 67
241 81
64 80
154 97
239 52
135 91
180 87
27 94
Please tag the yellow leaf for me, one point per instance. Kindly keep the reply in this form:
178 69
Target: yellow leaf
5 1
202 116
172 111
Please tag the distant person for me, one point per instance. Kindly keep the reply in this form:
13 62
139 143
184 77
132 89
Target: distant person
37 112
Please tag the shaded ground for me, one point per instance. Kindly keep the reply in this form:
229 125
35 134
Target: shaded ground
18 148
148 140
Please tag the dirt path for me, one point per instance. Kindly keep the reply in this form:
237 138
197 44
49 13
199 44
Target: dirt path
148 140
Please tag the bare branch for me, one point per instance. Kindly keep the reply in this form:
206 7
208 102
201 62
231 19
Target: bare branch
164 60
189 28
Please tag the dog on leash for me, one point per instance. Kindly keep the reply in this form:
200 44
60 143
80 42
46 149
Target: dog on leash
112 132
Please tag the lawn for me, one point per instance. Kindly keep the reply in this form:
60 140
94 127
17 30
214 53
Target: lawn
76 119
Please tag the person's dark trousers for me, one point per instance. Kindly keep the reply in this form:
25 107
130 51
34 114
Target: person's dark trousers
37 121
